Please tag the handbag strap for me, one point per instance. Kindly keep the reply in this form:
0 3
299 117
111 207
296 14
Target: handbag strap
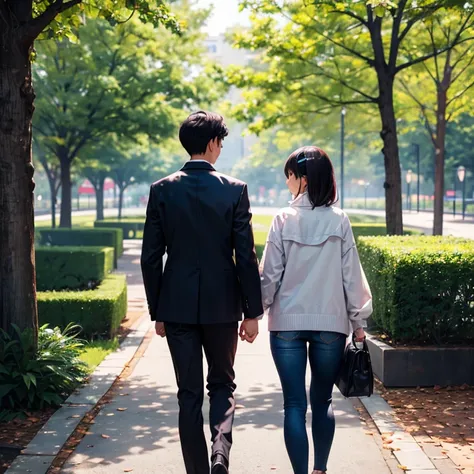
364 342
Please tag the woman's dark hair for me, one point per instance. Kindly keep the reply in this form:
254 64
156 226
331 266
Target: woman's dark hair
314 164
199 129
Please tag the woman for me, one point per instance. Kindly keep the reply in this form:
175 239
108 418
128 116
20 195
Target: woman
317 294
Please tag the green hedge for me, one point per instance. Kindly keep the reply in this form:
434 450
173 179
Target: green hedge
423 287
99 312
132 228
85 238
73 268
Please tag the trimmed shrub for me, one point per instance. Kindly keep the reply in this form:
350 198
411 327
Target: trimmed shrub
34 378
132 228
84 237
74 268
99 312
423 287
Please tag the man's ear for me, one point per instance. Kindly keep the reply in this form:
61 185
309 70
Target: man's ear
211 145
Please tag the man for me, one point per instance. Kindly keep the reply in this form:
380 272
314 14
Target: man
201 218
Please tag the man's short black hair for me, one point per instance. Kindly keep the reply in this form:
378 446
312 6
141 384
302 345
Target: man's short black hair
199 129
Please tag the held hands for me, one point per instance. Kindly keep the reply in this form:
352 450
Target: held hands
160 329
249 330
359 335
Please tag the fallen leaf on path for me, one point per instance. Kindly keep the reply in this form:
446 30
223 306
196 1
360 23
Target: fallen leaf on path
105 436
127 470
121 409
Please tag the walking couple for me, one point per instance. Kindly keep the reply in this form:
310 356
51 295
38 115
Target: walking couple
310 280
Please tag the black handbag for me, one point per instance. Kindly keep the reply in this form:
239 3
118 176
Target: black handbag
356 378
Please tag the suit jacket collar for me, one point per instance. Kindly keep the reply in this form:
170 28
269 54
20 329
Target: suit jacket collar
198 165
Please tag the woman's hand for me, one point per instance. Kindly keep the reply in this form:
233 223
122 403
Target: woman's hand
359 335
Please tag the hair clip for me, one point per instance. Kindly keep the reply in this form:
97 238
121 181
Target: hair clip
301 159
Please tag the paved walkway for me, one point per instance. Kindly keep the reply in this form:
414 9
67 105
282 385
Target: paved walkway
144 437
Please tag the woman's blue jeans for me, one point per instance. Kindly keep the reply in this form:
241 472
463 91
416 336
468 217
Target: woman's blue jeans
290 350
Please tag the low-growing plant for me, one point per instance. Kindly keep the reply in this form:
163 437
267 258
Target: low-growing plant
99 312
33 378
422 287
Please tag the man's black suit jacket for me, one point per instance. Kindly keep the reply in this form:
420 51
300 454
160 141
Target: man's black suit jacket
202 220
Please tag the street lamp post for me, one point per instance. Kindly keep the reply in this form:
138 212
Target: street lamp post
462 175
366 187
454 198
408 178
343 116
417 153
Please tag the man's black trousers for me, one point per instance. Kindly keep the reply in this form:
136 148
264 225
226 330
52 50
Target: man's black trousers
186 342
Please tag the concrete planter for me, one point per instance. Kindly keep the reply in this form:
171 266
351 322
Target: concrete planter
421 366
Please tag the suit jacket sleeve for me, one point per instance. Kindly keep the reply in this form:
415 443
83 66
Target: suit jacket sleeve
246 258
153 249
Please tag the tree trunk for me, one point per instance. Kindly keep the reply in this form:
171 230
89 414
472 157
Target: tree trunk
393 184
120 205
66 186
53 211
53 190
99 197
439 180
440 145
17 256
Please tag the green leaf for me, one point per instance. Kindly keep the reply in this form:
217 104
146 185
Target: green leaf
6 389
27 381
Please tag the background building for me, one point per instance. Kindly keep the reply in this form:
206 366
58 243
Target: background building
236 145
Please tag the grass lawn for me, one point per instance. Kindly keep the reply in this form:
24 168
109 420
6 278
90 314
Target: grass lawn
95 352
77 221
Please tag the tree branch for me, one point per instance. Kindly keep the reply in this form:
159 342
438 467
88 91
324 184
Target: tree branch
428 70
336 43
421 59
425 12
460 94
377 42
463 70
395 42
433 45
35 26
421 106
352 15
433 54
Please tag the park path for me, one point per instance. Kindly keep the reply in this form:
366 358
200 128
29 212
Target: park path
142 437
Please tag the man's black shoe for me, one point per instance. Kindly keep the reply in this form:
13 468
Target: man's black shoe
220 465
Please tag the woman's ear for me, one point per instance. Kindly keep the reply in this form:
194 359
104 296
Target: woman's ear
304 181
